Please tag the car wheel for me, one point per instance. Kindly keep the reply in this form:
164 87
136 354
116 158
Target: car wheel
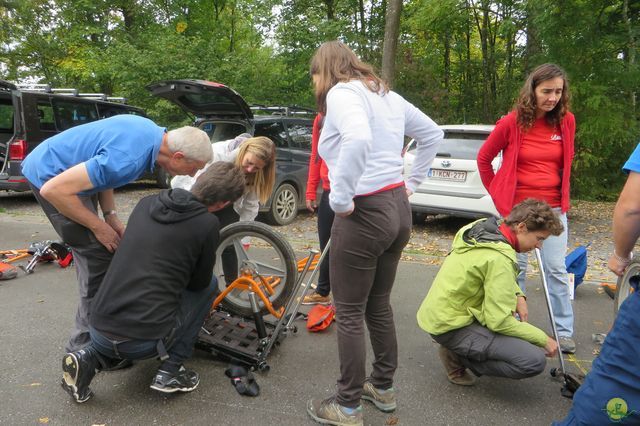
418 217
284 205
163 179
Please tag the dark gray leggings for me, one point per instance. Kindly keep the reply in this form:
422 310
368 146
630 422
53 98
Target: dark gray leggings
365 251
487 353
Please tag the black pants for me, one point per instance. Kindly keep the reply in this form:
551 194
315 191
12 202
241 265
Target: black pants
325 221
227 216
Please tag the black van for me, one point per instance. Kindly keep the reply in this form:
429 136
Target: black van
32 113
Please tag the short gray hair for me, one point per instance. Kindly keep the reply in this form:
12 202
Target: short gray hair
221 181
192 142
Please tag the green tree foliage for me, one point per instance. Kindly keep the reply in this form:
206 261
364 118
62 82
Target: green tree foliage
458 60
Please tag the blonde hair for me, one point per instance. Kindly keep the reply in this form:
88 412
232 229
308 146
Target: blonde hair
263 180
333 63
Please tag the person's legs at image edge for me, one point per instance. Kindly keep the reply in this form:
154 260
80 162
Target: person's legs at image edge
553 253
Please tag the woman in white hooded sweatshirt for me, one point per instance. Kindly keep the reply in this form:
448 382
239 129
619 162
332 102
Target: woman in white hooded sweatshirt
257 158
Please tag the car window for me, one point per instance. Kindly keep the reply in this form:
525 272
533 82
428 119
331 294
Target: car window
463 146
45 116
300 135
6 115
107 111
274 131
222 131
70 114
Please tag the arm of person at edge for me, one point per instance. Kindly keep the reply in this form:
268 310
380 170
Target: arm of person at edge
496 142
626 224
313 178
350 117
62 192
107 203
428 137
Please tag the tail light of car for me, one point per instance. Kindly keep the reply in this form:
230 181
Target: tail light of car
17 150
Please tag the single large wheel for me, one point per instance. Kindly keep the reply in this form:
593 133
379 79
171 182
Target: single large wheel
267 254
624 288
284 205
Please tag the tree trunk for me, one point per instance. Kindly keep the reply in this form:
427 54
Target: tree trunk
390 45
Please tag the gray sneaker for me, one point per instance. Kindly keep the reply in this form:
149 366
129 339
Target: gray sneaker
329 412
384 400
567 345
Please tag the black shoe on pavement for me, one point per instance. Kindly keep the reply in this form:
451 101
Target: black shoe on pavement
182 381
78 369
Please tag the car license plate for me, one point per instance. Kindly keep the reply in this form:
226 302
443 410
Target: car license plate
454 175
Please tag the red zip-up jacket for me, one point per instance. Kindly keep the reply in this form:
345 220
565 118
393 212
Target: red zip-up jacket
317 167
507 137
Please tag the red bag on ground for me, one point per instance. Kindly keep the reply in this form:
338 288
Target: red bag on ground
320 317
7 271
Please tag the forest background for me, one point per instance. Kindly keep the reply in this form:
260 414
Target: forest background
460 61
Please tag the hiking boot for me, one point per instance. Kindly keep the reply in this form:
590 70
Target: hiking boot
456 372
567 345
384 400
182 381
316 298
78 369
329 412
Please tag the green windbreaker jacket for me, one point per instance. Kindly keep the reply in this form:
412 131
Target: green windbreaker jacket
477 282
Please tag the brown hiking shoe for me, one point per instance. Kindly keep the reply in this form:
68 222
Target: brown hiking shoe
316 298
384 400
456 372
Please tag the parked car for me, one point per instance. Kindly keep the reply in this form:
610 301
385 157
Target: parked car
453 184
223 114
32 113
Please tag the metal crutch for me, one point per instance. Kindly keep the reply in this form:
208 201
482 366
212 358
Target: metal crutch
570 382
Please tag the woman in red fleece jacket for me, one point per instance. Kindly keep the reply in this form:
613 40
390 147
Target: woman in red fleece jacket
536 140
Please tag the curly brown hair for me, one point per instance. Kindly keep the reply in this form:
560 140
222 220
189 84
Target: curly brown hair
536 215
334 63
526 104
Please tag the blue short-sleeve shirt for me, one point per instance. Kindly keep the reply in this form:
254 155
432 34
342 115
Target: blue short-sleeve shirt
115 151
633 163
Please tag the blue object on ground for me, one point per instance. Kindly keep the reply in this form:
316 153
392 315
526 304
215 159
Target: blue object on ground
576 263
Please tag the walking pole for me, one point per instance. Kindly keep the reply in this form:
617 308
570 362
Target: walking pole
550 310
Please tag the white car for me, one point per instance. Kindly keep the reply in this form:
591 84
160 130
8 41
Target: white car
453 184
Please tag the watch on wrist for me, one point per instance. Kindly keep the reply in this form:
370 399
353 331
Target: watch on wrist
108 213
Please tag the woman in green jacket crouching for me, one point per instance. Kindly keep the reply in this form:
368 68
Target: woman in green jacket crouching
475 309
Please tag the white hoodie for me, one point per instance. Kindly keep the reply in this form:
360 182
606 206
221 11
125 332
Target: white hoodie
362 140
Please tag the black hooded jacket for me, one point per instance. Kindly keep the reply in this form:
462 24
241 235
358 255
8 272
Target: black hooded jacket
168 246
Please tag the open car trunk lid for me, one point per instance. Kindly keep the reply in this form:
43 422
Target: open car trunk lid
204 99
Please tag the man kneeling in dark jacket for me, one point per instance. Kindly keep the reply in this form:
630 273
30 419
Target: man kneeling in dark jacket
159 286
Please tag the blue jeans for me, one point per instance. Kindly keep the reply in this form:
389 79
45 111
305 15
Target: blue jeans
193 308
554 250
610 393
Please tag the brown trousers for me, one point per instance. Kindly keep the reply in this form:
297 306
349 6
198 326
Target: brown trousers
365 251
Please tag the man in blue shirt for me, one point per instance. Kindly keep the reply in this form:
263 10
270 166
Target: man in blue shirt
76 170
610 393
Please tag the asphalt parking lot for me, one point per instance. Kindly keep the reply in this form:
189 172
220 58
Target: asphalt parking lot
36 315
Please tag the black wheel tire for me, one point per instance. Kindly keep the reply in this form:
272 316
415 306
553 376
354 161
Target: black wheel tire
623 287
238 303
163 179
284 205
418 217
